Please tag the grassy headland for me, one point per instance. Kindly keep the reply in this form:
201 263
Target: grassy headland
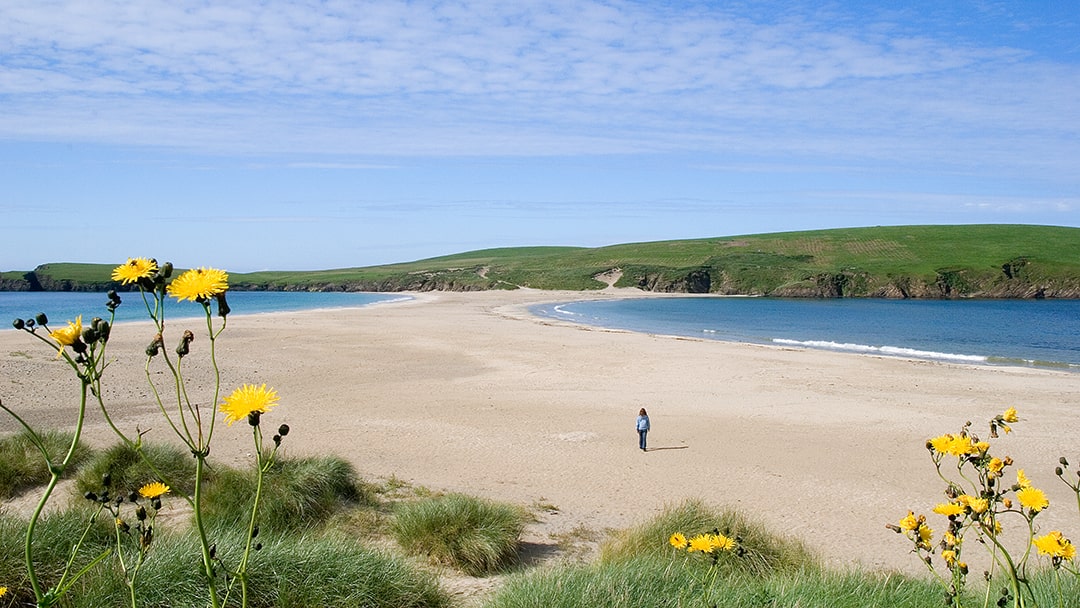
991 261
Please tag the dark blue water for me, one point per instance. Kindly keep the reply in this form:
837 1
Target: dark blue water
61 307
1042 333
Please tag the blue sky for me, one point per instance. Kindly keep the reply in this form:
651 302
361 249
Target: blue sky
311 135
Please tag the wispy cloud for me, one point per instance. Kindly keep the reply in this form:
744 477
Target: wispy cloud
532 78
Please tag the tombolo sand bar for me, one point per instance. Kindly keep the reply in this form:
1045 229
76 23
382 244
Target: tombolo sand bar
468 392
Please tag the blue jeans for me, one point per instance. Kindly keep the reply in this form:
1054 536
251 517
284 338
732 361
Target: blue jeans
641 439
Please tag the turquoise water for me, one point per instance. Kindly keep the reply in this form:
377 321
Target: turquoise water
1038 333
61 307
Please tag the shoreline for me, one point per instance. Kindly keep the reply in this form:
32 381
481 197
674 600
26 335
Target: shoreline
470 392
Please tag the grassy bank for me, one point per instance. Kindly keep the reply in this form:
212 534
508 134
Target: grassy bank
887 261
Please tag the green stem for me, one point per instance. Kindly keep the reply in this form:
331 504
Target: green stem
54 478
200 525
261 473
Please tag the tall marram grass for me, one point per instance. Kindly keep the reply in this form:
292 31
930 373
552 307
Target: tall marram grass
21 464
638 567
476 536
298 493
56 532
765 552
325 570
129 471
642 581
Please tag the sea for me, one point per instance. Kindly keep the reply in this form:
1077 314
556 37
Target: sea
1031 333
61 307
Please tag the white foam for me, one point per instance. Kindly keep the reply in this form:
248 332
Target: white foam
562 311
893 351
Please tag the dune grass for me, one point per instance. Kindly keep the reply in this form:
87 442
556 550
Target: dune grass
638 567
475 536
298 493
22 465
326 570
764 552
128 471
56 533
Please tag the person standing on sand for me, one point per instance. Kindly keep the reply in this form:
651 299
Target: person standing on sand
642 428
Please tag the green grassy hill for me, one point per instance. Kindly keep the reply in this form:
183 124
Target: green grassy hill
997 261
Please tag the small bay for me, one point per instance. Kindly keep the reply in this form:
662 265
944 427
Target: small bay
61 307
1037 333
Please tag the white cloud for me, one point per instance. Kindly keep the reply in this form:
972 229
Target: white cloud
496 78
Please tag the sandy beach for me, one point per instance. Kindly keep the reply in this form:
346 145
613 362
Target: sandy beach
468 392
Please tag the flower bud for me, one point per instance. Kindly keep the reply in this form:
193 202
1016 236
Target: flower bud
123 525
41 319
223 309
103 329
283 430
30 323
90 496
156 503
1058 471
165 270
253 418
140 513
185 343
89 335
106 480
154 346
18 324
1063 462
254 531
258 546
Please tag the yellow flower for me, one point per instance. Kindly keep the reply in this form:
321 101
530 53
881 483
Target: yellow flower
995 466
154 490
68 335
982 446
950 539
199 284
948 509
956 445
3 591
1010 415
925 533
909 522
700 543
133 270
1032 498
1055 545
949 556
977 505
942 443
678 541
247 400
1022 480
719 542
